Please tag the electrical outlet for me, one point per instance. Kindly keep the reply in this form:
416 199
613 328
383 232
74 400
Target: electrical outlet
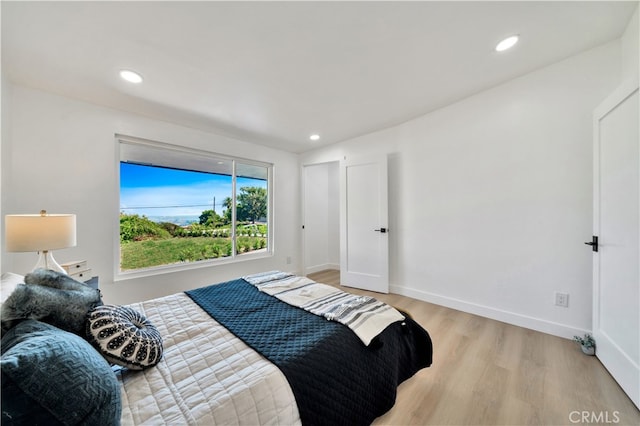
562 299
288 260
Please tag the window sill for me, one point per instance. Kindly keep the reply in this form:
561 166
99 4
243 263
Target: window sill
188 266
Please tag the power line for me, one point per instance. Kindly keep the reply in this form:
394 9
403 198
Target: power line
164 207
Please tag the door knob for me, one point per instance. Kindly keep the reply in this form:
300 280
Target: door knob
593 243
382 230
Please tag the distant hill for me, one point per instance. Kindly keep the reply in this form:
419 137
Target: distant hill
178 220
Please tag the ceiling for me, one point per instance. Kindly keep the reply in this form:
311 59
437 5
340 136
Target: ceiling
273 73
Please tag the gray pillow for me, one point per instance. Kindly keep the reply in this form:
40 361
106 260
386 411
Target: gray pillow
61 372
53 298
54 279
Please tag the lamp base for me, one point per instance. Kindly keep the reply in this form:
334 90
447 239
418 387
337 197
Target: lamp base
46 261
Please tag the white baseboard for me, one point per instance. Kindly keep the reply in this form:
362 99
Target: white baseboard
544 326
323 267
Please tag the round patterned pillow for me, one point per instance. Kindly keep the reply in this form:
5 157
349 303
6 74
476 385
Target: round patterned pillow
124 336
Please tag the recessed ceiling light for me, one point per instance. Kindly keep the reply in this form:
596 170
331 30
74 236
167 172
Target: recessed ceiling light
314 137
131 76
507 43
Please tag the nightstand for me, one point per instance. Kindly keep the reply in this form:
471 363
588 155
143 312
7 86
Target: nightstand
79 271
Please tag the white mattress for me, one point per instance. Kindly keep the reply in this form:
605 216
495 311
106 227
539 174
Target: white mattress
207 376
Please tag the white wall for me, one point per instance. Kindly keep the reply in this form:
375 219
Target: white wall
333 220
60 155
631 48
491 198
5 125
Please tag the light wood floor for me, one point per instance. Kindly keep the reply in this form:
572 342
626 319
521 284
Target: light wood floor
486 372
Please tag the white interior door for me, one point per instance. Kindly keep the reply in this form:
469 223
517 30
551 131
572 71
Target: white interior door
364 241
616 270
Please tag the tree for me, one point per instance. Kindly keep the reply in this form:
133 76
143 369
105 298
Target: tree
252 203
209 218
226 213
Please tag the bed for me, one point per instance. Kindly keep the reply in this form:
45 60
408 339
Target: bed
235 354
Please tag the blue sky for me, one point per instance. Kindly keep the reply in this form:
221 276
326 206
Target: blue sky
156 191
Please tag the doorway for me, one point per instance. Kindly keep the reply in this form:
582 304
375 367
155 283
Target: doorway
321 217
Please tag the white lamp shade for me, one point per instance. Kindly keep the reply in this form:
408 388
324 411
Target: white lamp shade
34 232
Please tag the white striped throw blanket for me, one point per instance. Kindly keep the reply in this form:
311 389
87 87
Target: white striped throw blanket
365 316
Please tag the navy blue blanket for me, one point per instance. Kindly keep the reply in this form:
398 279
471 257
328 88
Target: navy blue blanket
334 377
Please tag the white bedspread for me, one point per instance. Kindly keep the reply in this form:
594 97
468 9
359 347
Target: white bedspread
207 375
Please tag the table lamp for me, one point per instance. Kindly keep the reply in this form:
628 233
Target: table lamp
41 233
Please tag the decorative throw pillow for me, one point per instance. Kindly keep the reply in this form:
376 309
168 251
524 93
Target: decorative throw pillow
53 298
50 376
54 279
124 336
9 283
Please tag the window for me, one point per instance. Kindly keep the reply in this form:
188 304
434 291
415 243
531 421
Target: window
180 206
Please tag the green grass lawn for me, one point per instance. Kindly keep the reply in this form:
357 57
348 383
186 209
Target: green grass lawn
149 253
